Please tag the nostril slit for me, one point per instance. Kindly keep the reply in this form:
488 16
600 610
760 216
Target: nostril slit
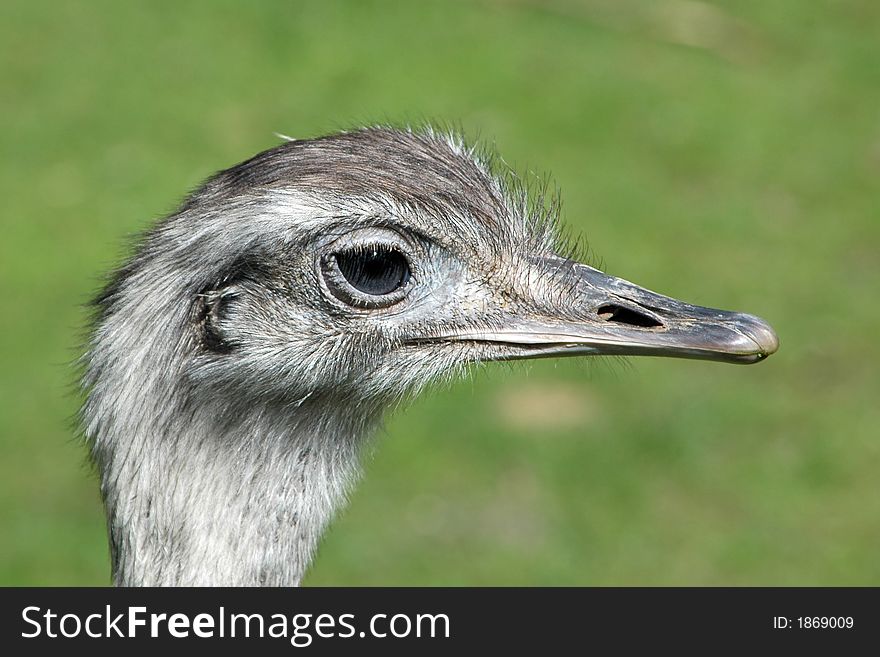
622 315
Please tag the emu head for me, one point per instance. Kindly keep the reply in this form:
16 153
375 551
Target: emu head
259 332
362 265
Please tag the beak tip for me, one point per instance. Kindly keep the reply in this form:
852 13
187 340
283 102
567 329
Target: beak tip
761 333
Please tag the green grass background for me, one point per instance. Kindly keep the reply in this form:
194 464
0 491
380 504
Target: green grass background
725 153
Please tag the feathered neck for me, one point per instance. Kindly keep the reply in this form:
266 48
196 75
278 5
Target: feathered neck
225 496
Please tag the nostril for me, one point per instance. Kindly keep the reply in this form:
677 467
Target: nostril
622 315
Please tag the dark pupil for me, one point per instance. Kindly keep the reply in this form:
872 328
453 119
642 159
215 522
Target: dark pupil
375 270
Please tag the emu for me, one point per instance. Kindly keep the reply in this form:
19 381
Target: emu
244 353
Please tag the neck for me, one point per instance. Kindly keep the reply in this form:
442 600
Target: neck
236 498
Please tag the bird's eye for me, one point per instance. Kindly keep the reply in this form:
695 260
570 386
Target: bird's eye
368 274
375 270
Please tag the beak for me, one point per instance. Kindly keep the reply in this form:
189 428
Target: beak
601 314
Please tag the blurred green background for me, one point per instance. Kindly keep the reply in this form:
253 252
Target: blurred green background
725 153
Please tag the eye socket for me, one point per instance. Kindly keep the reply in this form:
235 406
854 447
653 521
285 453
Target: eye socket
369 268
376 270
